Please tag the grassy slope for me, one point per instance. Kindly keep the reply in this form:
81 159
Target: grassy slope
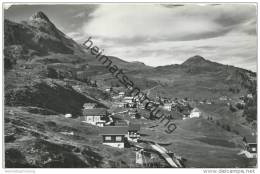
30 87
201 143
38 141
197 81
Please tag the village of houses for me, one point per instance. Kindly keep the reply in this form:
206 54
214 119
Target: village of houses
122 133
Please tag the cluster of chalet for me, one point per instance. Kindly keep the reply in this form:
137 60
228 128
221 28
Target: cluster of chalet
123 101
182 106
171 104
179 105
115 136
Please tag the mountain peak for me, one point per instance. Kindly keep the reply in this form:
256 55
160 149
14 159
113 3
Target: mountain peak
39 16
40 21
195 60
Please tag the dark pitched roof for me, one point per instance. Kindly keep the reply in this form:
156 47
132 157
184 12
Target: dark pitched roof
134 127
94 112
250 139
121 123
114 130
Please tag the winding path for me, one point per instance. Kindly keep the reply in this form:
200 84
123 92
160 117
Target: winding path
165 155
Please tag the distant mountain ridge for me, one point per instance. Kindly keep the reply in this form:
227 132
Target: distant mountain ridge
38 40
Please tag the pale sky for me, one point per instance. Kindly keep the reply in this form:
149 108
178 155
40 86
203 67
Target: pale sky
158 34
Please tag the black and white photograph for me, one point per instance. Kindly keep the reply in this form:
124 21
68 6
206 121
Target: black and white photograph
130 85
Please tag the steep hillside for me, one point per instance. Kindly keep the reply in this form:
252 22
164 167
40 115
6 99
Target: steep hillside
36 52
38 40
40 141
51 95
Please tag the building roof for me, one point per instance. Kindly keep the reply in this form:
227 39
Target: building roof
114 130
118 103
195 110
94 112
89 105
134 127
121 123
250 139
128 98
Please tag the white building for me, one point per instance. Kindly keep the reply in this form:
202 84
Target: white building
195 113
89 105
121 94
223 98
68 115
128 100
249 96
96 116
108 89
167 106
